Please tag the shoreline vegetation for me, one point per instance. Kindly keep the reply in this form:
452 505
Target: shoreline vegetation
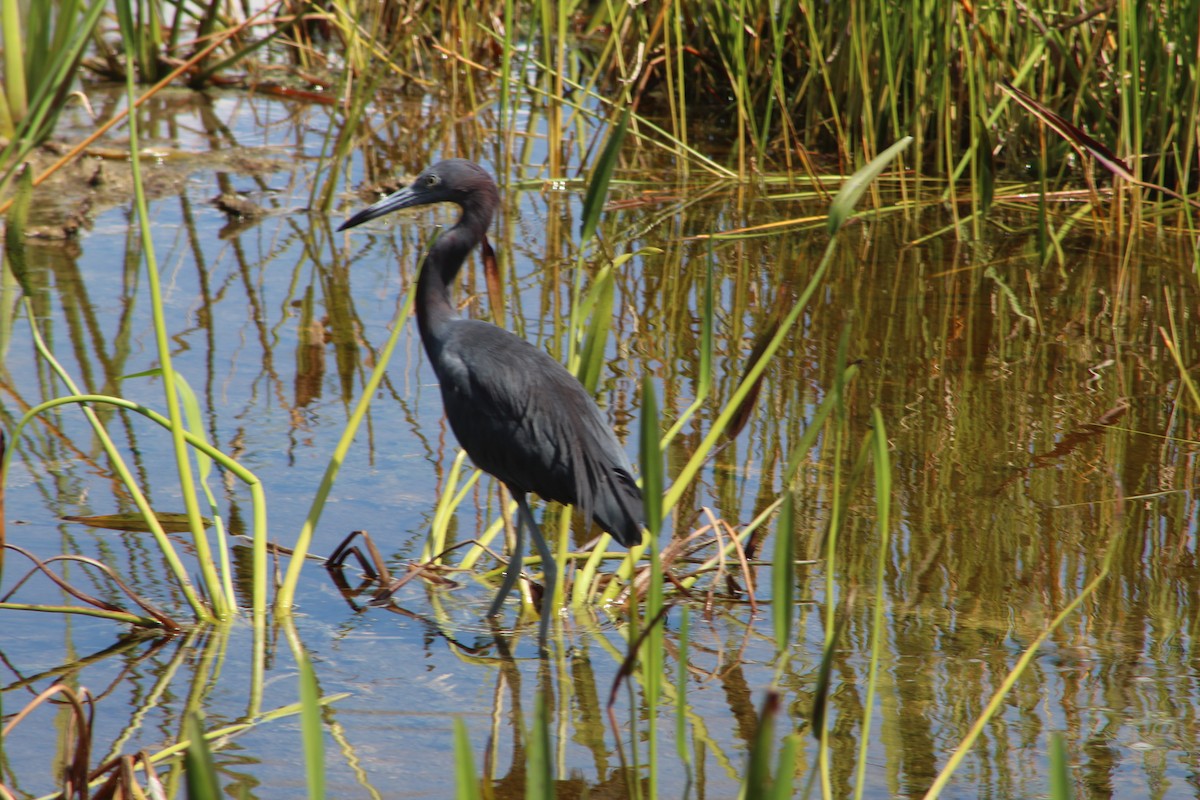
799 91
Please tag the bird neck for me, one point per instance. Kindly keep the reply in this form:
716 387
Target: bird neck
441 266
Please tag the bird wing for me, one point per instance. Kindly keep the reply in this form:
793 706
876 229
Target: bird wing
525 419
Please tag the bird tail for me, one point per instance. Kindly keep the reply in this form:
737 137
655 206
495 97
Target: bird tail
618 507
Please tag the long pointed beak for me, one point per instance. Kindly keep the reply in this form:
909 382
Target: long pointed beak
393 202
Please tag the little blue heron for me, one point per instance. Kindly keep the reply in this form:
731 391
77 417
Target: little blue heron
519 414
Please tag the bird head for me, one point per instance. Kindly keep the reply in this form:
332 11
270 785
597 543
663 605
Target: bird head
455 180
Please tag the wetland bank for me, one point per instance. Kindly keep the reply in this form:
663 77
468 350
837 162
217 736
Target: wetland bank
949 531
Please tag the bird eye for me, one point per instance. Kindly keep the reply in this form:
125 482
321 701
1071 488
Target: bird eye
431 180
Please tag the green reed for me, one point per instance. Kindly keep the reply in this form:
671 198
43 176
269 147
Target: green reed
883 523
814 77
222 603
311 728
15 255
1060 772
202 781
826 78
286 591
182 421
43 45
778 109
466 782
653 663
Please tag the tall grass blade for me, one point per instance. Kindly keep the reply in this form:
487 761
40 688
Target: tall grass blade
1060 769
652 653
883 505
539 768
201 771
1185 376
183 463
508 111
854 187
597 189
783 576
1172 342
651 458
987 167
591 354
1043 215
447 503
8 130
191 410
466 784
14 62
311 728
285 596
681 695
784 786
757 785
14 231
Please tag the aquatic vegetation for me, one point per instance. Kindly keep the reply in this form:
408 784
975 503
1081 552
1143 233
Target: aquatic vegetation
917 473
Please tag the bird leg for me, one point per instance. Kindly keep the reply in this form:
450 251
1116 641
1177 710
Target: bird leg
549 568
516 561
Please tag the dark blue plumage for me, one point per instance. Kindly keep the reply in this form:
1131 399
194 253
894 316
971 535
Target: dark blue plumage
519 414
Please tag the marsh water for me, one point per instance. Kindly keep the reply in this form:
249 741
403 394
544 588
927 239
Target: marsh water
1036 422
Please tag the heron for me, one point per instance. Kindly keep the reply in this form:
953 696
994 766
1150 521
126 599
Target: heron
520 415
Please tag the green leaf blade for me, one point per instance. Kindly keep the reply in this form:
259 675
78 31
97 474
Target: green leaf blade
854 187
597 189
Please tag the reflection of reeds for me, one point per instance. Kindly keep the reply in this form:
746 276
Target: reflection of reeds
991 368
219 592
953 363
